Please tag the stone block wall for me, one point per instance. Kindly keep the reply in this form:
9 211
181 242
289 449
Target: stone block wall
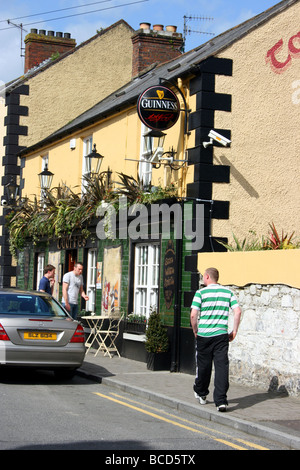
266 351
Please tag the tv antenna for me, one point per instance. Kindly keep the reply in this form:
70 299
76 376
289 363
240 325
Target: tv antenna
187 30
20 26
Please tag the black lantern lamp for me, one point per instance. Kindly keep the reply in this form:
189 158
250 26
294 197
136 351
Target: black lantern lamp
11 193
154 146
45 178
154 141
154 151
94 161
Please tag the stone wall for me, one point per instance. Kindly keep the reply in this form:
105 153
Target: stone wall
266 351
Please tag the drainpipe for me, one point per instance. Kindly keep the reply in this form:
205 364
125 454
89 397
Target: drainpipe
175 350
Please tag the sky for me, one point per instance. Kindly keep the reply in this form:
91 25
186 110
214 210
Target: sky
82 18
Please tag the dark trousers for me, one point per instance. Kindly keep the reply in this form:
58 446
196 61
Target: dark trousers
209 351
73 311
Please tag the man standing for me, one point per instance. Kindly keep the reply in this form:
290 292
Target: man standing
72 286
47 282
209 320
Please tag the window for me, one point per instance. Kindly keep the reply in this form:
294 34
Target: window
40 268
91 280
87 148
19 304
45 161
145 168
146 279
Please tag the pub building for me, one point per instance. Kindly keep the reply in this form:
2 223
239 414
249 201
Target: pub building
205 123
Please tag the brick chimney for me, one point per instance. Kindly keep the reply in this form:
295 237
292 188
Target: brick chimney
154 45
40 46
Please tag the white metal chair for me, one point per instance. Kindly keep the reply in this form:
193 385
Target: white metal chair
108 336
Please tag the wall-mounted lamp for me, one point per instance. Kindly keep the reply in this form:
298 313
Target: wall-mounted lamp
94 161
154 146
10 193
45 178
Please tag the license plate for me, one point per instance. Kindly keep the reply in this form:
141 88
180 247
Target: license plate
40 335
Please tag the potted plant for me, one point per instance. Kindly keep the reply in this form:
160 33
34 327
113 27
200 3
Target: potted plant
135 323
157 344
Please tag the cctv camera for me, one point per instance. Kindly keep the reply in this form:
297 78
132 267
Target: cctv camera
213 135
4 202
219 138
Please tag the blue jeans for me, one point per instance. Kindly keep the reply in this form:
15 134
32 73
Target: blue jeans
73 311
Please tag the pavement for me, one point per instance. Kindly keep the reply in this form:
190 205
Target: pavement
271 415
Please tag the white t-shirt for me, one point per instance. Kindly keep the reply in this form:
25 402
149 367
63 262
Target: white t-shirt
74 285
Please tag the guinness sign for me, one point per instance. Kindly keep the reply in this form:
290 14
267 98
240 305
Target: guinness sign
158 107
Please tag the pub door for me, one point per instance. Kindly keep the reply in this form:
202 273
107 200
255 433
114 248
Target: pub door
71 258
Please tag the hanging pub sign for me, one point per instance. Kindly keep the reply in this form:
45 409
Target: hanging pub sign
169 273
158 107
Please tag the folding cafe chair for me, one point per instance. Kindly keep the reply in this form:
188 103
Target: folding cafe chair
109 336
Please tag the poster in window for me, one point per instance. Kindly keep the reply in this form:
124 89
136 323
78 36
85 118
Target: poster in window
111 280
54 259
99 275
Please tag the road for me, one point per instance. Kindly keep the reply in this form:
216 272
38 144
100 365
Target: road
39 412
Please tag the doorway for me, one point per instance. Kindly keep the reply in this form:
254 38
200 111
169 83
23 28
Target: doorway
71 258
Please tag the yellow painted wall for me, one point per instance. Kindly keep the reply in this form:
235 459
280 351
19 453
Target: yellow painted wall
254 267
118 139
66 164
264 154
63 162
71 86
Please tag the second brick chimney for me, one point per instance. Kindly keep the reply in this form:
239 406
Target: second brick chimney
154 45
40 46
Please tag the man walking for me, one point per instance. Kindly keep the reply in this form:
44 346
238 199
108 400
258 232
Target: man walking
72 286
47 281
209 319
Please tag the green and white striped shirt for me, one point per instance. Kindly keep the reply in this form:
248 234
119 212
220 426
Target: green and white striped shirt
213 303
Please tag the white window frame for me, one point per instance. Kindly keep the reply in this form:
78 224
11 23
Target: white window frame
87 148
91 280
146 277
40 268
145 168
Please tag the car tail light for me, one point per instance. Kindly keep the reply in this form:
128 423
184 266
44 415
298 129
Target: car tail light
3 334
78 336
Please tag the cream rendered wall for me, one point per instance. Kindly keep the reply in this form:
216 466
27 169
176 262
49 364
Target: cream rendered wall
74 84
2 128
265 150
2 150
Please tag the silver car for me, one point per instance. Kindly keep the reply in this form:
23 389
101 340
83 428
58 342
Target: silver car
36 331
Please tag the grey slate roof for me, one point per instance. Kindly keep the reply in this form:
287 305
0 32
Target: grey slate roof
184 65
